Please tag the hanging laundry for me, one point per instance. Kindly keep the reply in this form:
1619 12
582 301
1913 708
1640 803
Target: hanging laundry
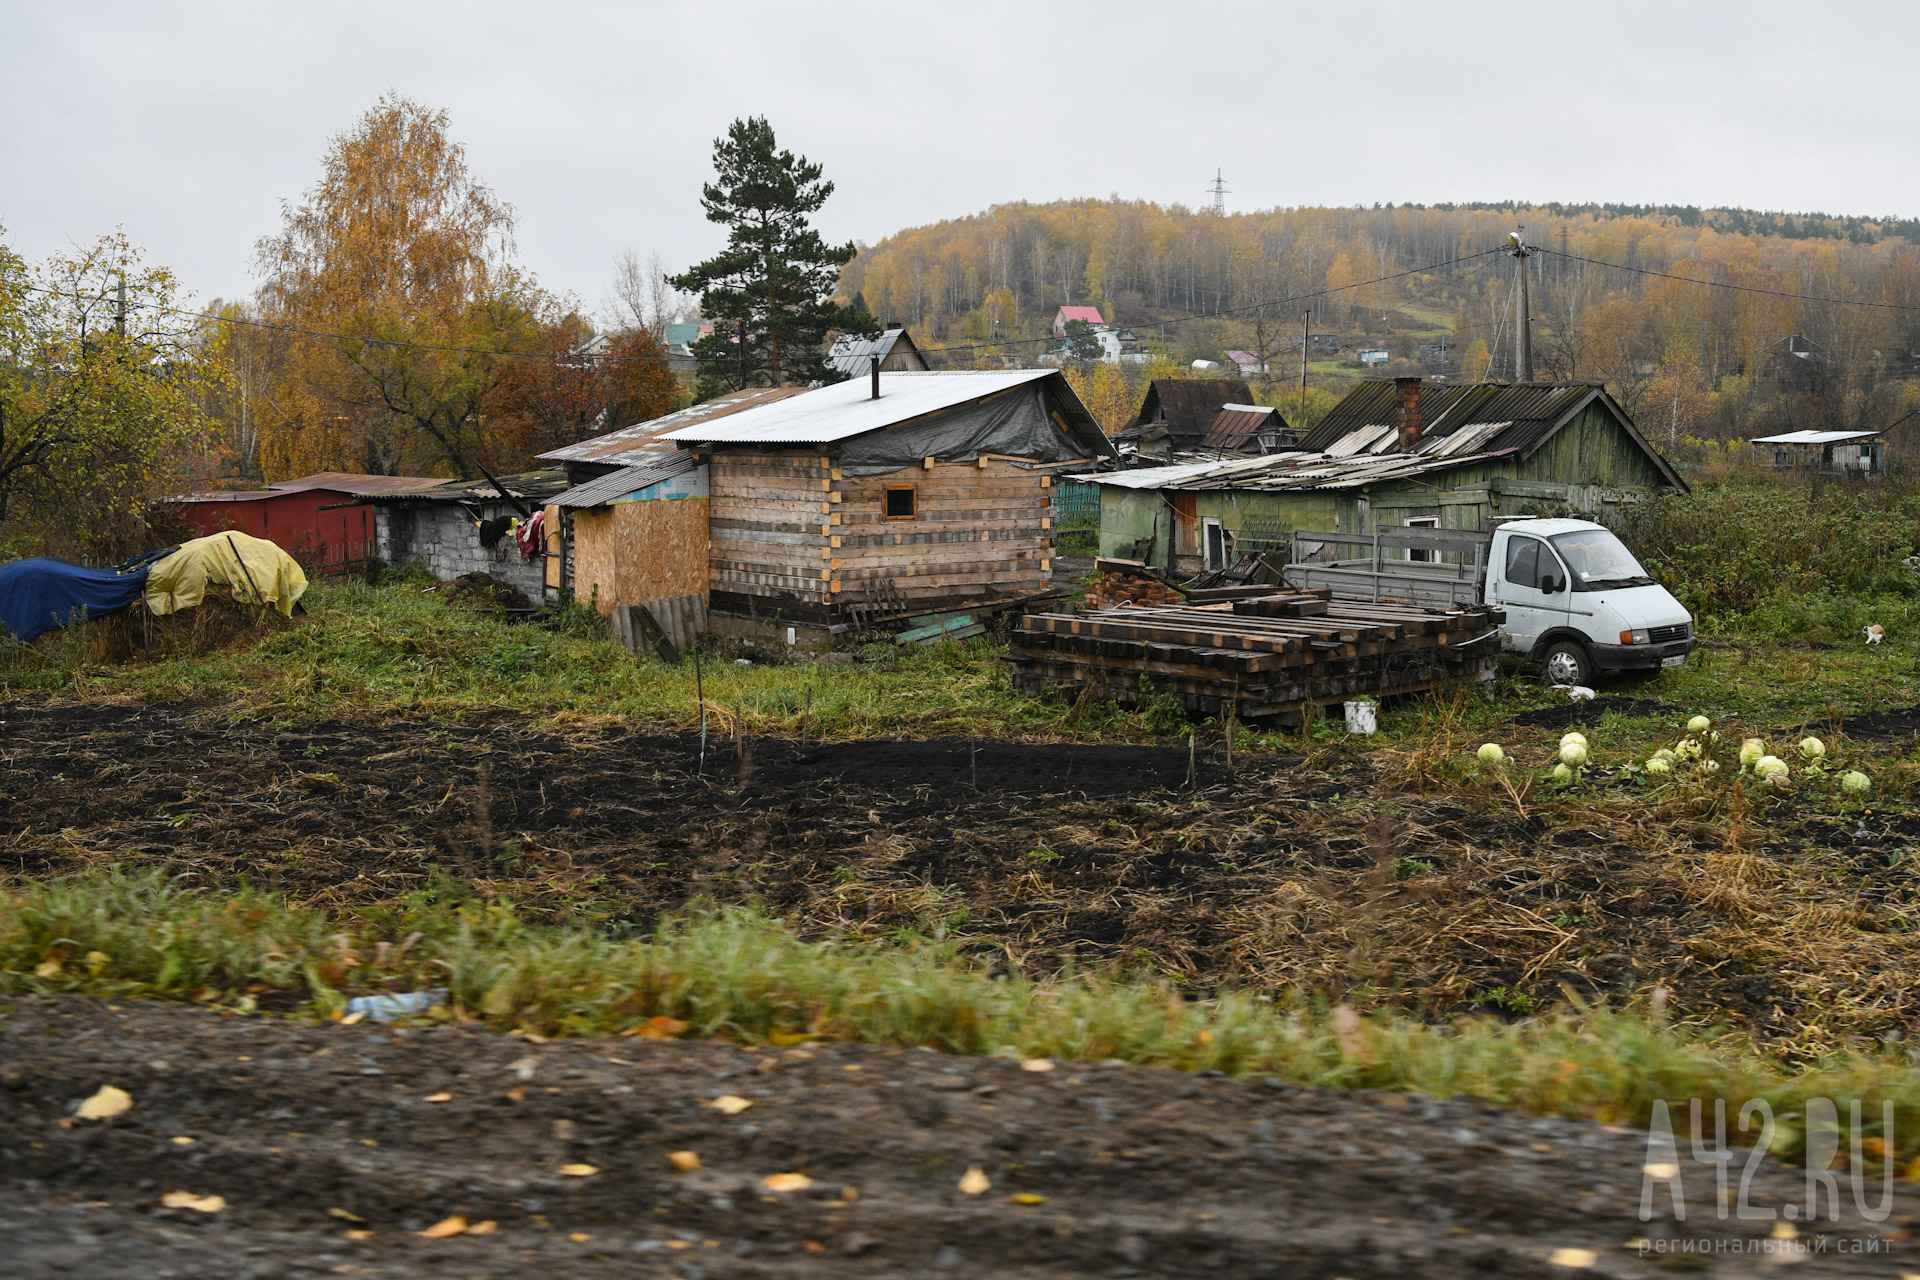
531 535
491 531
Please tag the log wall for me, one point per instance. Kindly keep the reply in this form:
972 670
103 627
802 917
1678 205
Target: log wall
792 535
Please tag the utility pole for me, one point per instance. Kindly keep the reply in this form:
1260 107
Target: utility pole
120 308
1523 323
1306 341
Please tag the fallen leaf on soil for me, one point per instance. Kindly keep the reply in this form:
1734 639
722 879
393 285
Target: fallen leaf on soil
679 1244
849 1194
578 1170
357 1233
1784 1231
105 1104
786 1182
684 1161
486 1228
1660 1170
188 1200
813 1246
1036 1064
183 1141
345 1215
1572 1258
657 1029
524 1067
352 1018
518 1094
1028 1198
47 969
579 1237
973 1182
731 1104
1877 1146
785 1038
454 1226
439 1097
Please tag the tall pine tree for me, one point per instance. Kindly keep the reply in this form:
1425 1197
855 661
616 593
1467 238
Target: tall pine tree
770 293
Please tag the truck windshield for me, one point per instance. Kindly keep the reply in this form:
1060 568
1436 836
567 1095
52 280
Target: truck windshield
1599 560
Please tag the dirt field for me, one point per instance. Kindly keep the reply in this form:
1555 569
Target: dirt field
1343 874
313 1135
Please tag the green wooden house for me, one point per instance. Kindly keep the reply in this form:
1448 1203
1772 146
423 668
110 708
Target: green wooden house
1399 452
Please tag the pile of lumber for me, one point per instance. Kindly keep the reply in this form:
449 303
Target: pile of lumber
1256 654
1113 589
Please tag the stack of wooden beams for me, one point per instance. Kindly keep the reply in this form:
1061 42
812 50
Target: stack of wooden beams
1257 656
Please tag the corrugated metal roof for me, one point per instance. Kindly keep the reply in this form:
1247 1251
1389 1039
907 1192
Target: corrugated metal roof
1530 410
355 483
618 484
1282 471
530 486
1188 406
1236 424
634 445
853 356
825 415
1815 437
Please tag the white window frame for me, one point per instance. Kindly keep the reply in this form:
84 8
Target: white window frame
1419 554
1207 525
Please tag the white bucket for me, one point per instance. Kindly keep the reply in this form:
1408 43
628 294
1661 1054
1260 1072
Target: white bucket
1362 716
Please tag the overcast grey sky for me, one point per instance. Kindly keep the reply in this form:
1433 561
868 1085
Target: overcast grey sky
188 123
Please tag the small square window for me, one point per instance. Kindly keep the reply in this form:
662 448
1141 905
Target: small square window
900 502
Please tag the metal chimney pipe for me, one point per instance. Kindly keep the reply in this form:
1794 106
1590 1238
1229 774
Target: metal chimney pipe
876 377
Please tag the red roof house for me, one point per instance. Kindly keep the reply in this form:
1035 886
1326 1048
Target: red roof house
1089 314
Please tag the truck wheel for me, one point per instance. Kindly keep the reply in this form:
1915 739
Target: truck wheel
1567 662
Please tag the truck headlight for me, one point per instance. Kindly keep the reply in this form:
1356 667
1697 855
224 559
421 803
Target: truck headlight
1633 637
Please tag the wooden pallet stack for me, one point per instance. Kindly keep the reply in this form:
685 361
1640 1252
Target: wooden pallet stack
1265 654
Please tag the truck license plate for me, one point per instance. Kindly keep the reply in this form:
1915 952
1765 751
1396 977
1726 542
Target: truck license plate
1678 659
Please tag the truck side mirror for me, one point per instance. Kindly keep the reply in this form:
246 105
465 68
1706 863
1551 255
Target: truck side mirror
1549 583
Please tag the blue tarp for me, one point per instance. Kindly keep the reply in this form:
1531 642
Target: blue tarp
38 595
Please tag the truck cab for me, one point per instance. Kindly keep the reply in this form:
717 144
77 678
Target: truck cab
1578 601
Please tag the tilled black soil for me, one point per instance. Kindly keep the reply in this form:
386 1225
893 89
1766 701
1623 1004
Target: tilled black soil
1884 726
1339 874
310 1132
1586 713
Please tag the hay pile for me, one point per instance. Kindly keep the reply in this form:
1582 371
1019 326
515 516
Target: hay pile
134 634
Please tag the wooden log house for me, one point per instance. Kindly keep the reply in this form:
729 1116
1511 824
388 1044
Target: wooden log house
892 495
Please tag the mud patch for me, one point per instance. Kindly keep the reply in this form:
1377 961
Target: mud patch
308 1133
1587 713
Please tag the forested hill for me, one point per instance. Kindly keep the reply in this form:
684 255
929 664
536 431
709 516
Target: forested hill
995 278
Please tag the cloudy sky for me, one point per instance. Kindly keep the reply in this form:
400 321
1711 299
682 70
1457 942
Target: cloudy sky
188 123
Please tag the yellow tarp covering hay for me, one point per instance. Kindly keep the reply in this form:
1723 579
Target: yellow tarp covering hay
254 570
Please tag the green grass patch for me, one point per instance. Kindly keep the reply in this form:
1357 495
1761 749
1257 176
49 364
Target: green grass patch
739 975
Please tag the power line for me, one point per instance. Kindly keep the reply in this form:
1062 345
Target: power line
1720 284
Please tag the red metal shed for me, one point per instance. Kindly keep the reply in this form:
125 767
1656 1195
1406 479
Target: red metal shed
323 519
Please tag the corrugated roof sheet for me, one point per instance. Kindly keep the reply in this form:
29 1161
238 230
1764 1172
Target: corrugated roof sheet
638 443
1282 471
618 484
529 486
1530 410
355 483
853 356
825 415
1236 424
1815 437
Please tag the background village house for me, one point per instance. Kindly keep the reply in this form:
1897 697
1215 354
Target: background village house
1401 452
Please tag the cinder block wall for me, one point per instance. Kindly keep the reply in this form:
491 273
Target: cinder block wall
440 538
